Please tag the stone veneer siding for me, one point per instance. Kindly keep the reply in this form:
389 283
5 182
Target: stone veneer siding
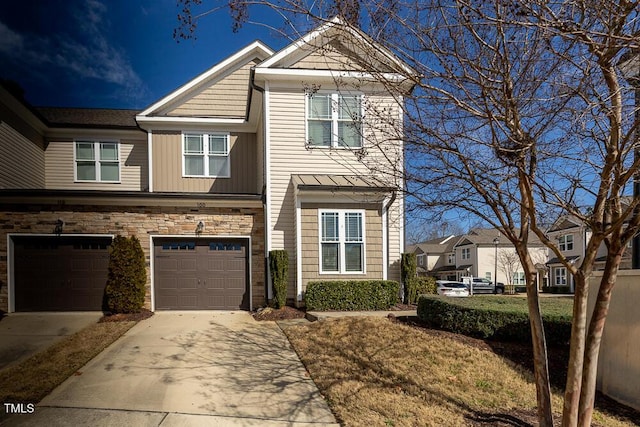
141 222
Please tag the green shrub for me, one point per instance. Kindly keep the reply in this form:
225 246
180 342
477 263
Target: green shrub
279 267
505 324
125 290
408 271
419 286
349 295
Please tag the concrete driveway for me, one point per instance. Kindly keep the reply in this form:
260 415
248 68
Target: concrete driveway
24 334
189 368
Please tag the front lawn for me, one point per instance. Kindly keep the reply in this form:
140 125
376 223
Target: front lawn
375 372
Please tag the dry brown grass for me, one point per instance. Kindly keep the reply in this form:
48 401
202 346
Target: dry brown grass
33 379
374 372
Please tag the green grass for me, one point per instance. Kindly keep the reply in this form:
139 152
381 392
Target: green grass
550 306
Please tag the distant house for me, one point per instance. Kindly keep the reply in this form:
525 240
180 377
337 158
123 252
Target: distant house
571 236
478 253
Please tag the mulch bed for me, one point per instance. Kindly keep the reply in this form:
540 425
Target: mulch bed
126 317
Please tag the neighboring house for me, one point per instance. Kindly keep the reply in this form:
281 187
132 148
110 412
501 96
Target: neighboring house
436 257
263 151
474 254
572 236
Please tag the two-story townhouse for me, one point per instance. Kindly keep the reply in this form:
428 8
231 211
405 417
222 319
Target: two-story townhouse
436 257
486 253
263 151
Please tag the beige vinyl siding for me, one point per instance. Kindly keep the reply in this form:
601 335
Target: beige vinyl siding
336 56
21 161
167 166
60 166
310 243
225 98
288 156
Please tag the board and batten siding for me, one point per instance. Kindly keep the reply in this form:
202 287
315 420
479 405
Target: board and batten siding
310 244
21 160
167 166
59 167
225 98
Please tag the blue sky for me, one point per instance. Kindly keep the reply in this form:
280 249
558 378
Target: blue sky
111 53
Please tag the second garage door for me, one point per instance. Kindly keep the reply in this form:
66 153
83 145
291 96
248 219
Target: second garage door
201 274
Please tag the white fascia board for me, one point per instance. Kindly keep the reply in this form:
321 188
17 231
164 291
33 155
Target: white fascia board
196 123
300 43
256 48
295 74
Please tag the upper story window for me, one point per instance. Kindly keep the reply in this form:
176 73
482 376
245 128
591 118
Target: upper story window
97 161
421 260
466 253
341 241
334 120
206 154
566 242
451 259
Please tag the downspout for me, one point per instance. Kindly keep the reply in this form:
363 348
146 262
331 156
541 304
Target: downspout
386 261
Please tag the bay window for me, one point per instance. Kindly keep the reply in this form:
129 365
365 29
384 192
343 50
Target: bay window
341 241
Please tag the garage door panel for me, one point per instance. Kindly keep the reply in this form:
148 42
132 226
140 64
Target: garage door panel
60 273
217 270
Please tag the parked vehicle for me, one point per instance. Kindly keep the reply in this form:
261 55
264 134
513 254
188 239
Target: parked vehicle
482 286
451 289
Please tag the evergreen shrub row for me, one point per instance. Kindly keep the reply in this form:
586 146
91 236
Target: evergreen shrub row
499 325
351 295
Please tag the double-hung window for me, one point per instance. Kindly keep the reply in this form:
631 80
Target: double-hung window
341 241
561 276
206 154
466 253
566 242
518 278
97 161
334 120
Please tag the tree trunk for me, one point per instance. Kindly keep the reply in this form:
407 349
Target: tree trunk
540 360
576 353
594 339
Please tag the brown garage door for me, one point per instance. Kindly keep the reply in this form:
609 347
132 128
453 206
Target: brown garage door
201 274
60 273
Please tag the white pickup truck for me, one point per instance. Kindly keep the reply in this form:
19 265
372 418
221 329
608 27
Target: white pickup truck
478 285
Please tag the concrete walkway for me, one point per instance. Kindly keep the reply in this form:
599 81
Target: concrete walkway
189 369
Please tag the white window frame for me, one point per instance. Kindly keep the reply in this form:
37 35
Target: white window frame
518 278
97 161
421 260
451 259
565 242
335 119
342 240
560 276
466 253
206 153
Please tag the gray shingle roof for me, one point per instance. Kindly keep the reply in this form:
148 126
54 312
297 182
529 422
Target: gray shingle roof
89 117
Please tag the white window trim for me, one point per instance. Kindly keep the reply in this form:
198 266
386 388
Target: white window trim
563 242
342 240
468 253
205 153
556 276
96 159
335 143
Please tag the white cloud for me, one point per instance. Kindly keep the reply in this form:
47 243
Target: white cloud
10 41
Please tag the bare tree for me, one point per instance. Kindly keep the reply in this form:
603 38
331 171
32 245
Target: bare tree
509 264
518 115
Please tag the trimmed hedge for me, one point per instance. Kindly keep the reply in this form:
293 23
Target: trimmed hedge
419 286
557 290
494 324
350 295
